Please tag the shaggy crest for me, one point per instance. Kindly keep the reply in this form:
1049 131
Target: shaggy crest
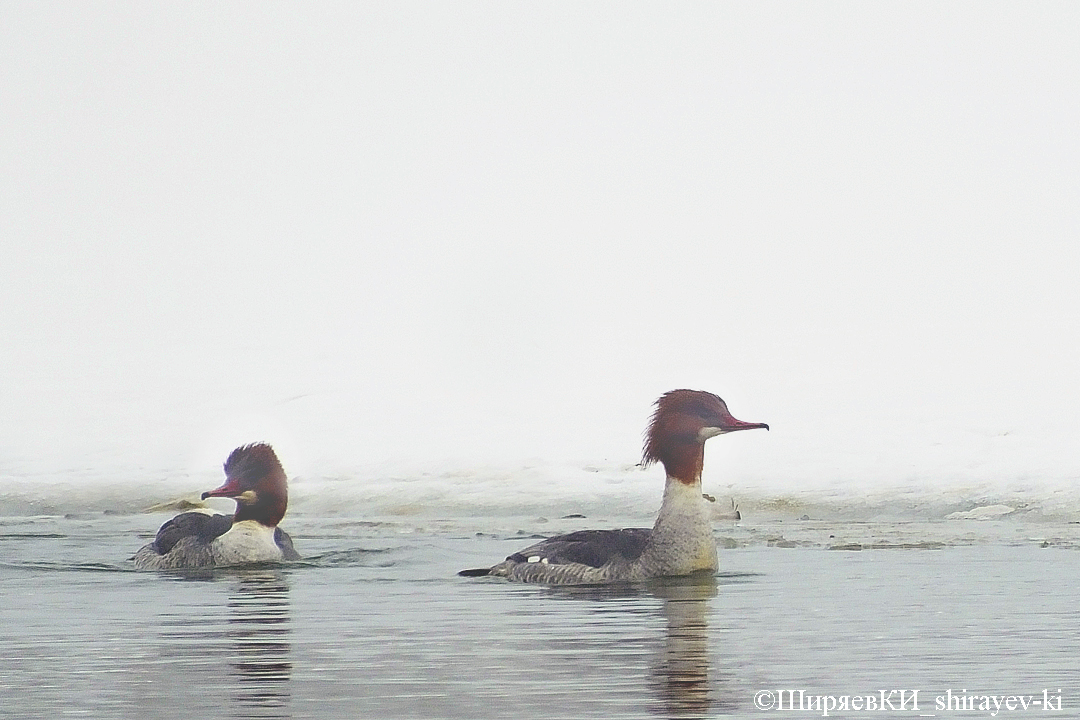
248 463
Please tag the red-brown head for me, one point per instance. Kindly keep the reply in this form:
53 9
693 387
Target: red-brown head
683 421
255 479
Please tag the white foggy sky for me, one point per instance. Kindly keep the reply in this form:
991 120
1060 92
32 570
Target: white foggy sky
376 232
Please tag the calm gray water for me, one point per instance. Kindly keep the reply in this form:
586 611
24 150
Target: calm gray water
374 624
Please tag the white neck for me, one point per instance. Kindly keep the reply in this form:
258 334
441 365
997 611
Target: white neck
682 540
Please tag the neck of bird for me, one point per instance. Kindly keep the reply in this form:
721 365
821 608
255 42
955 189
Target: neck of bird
683 508
266 510
684 462
681 541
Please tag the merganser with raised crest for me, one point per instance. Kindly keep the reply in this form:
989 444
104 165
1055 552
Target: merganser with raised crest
680 543
255 479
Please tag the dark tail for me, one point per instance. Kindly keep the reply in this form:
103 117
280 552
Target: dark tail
475 572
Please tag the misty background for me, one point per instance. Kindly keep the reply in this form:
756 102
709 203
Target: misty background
457 234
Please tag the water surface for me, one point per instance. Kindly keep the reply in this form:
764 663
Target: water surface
374 623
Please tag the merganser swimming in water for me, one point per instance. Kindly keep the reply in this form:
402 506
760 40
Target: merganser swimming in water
255 479
680 543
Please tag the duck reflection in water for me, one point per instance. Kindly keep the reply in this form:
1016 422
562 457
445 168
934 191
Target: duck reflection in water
680 677
259 627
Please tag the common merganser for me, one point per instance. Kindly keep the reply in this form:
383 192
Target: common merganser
680 543
255 479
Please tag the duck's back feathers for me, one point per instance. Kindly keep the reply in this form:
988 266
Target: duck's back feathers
594 548
579 557
201 526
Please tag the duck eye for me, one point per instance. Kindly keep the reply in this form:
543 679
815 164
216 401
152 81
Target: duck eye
705 413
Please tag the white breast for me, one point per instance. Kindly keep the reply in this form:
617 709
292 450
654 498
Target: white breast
246 542
682 541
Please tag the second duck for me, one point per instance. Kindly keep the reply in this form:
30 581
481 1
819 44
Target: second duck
679 543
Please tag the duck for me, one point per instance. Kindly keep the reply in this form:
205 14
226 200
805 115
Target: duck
255 479
681 540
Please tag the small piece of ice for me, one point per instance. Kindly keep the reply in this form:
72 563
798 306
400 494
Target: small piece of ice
988 512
